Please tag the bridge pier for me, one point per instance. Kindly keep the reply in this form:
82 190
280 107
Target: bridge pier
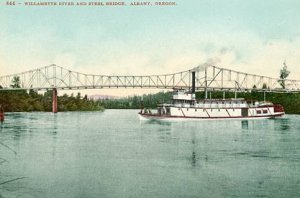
54 100
1 114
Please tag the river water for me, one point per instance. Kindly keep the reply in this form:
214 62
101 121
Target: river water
113 154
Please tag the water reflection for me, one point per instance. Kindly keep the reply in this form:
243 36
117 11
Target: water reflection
20 125
14 124
54 130
199 146
194 158
284 124
245 124
160 122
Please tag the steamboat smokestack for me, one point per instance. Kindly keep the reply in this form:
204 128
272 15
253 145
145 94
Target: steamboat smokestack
193 82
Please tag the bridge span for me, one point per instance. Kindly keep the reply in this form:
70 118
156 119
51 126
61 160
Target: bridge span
208 78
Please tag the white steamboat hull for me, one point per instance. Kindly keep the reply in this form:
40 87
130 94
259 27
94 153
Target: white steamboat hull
186 118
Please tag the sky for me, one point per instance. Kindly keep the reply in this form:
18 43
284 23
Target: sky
252 36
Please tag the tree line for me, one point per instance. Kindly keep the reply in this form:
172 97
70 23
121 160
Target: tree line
22 100
135 102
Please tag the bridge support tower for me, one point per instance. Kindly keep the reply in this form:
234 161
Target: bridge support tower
54 100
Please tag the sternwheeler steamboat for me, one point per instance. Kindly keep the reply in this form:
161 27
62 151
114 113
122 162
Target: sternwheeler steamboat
184 106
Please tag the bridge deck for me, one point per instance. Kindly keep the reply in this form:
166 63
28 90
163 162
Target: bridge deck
207 77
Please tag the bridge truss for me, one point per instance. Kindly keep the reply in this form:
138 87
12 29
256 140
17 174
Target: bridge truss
208 77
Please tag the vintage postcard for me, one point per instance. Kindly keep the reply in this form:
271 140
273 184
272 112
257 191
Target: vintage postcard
179 98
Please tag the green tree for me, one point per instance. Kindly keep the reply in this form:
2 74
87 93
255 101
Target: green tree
16 83
284 73
78 96
264 86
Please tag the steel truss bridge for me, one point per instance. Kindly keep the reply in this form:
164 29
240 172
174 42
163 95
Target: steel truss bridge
208 77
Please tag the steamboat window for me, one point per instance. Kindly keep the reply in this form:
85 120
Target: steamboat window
244 112
168 111
265 111
258 111
195 109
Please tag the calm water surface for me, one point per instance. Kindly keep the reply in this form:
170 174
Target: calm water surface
113 154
